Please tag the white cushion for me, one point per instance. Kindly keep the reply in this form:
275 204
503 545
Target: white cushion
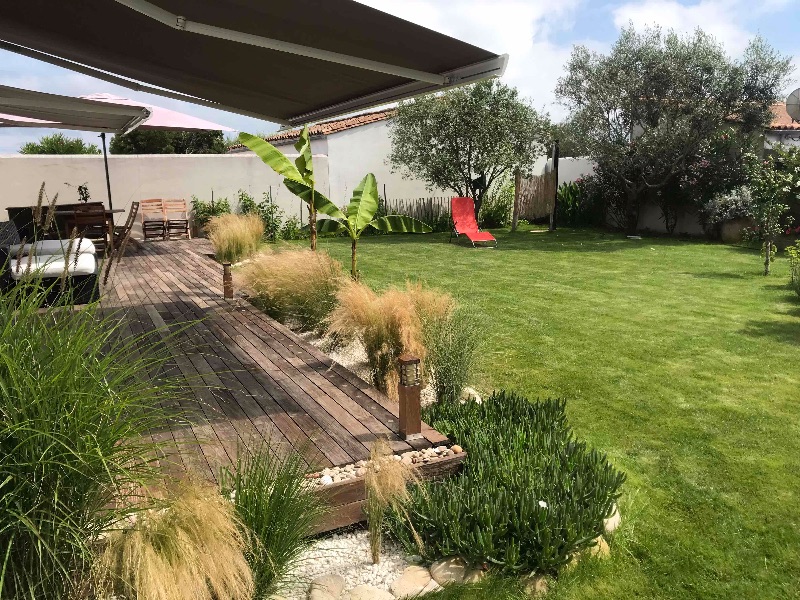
45 247
52 265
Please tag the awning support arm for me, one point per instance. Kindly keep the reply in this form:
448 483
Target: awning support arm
183 24
127 83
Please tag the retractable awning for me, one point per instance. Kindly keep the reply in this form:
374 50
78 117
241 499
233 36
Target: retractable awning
25 108
289 62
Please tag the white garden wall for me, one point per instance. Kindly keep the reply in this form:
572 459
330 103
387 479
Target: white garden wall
147 176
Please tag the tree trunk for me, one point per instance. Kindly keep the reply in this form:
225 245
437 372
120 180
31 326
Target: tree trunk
767 256
478 203
353 260
515 215
312 221
632 211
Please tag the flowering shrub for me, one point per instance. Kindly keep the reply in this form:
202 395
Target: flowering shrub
730 205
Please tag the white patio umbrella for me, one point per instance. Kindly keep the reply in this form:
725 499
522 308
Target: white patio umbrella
105 113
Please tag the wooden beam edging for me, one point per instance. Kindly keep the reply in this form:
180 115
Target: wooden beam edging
346 498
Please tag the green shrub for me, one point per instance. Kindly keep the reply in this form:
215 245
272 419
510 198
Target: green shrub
452 347
202 211
267 210
579 204
78 402
497 206
277 508
530 497
292 229
793 253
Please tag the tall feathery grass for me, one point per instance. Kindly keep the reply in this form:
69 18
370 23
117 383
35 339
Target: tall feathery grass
235 237
193 548
388 324
77 406
297 287
386 484
279 510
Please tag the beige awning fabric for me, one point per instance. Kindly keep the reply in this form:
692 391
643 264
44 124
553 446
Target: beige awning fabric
25 108
290 62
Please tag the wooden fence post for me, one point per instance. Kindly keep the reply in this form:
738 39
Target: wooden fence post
555 196
515 217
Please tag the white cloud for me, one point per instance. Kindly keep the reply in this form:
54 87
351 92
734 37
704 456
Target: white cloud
522 29
724 19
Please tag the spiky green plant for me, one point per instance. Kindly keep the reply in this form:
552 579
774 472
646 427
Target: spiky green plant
279 510
530 497
77 405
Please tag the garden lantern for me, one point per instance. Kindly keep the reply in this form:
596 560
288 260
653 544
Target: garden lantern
409 397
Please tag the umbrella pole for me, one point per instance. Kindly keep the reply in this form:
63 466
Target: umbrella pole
108 179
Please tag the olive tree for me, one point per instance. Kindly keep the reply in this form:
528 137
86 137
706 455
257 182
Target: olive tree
656 99
467 138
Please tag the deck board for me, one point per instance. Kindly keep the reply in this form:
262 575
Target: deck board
248 380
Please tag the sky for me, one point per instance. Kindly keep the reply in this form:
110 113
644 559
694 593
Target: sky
537 34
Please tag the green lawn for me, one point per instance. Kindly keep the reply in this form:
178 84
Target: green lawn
678 359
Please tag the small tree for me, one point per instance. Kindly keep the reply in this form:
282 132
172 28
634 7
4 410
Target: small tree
651 105
774 185
298 176
58 143
157 141
361 214
467 138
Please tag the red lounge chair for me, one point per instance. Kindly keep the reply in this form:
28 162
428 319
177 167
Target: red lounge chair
463 212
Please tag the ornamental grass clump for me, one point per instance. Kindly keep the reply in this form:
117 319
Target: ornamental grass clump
452 343
235 237
77 406
531 496
387 486
296 287
278 510
193 547
388 324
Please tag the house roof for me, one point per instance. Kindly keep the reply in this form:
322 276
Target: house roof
781 119
326 127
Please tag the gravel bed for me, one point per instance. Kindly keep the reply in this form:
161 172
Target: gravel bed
346 554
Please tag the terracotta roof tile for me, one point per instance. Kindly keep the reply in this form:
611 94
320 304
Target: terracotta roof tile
781 119
327 127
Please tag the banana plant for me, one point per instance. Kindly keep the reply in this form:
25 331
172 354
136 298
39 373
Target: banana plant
361 214
298 177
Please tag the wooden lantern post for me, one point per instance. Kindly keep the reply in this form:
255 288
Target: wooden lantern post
227 281
409 394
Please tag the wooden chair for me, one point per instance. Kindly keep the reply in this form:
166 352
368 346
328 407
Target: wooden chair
93 225
122 231
176 217
153 221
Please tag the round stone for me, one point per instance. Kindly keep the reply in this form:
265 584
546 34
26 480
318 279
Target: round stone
600 549
474 575
326 585
456 448
326 480
448 570
611 523
369 592
536 586
413 582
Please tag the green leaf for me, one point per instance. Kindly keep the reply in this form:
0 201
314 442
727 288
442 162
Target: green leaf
321 202
399 224
330 226
304 162
364 204
271 156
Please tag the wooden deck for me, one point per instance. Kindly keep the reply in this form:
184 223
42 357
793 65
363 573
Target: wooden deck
249 379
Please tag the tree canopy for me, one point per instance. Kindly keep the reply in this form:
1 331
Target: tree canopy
58 143
453 139
656 100
158 141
